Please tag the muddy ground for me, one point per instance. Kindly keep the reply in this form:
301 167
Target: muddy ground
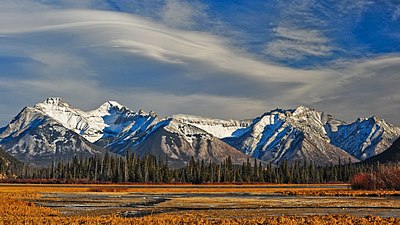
242 203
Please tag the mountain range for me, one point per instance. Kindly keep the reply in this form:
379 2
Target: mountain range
54 130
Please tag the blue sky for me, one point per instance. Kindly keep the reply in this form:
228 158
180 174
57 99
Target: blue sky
225 59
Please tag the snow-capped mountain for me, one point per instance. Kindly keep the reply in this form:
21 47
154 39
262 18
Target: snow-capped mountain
217 127
34 137
305 133
134 133
291 135
106 121
179 142
55 130
365 137
174 139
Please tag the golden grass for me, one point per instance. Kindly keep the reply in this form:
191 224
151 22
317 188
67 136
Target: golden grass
166 189
336 192
15 208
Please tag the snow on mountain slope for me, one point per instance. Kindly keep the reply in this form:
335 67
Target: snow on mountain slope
189 127
71 118
36 138
118 129
280 133
53 128
365 137
216 127
108 120
180 141
136 132
290 135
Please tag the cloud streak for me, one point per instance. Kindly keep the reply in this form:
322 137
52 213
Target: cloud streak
90 56
293 43
182 14
367 88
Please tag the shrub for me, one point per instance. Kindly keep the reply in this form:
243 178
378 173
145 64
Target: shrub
385 177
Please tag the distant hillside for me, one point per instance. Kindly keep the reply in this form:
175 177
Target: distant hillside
392 154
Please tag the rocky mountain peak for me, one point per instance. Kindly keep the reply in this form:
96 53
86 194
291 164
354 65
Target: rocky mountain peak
142 112
52 103
109 105
152 113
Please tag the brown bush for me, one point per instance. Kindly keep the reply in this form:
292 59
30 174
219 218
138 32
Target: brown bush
386 177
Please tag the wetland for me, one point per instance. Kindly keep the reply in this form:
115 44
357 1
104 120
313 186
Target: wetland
204 204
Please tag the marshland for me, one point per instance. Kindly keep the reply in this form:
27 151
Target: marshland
196 204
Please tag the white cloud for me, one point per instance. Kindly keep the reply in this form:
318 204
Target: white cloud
365 88
299 32
182 13
118 52
294 43
78 31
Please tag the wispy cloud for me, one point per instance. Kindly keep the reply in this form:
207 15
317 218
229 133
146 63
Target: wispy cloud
183 14
293 43
299 33
365 88
69 50
356 8
396 13
89 56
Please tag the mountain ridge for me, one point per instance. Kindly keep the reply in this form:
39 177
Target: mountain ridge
36 138
295 134
392 154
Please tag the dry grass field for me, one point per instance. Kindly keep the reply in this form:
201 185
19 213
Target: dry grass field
21 204
333 192
168 188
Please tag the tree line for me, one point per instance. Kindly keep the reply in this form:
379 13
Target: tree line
151 169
